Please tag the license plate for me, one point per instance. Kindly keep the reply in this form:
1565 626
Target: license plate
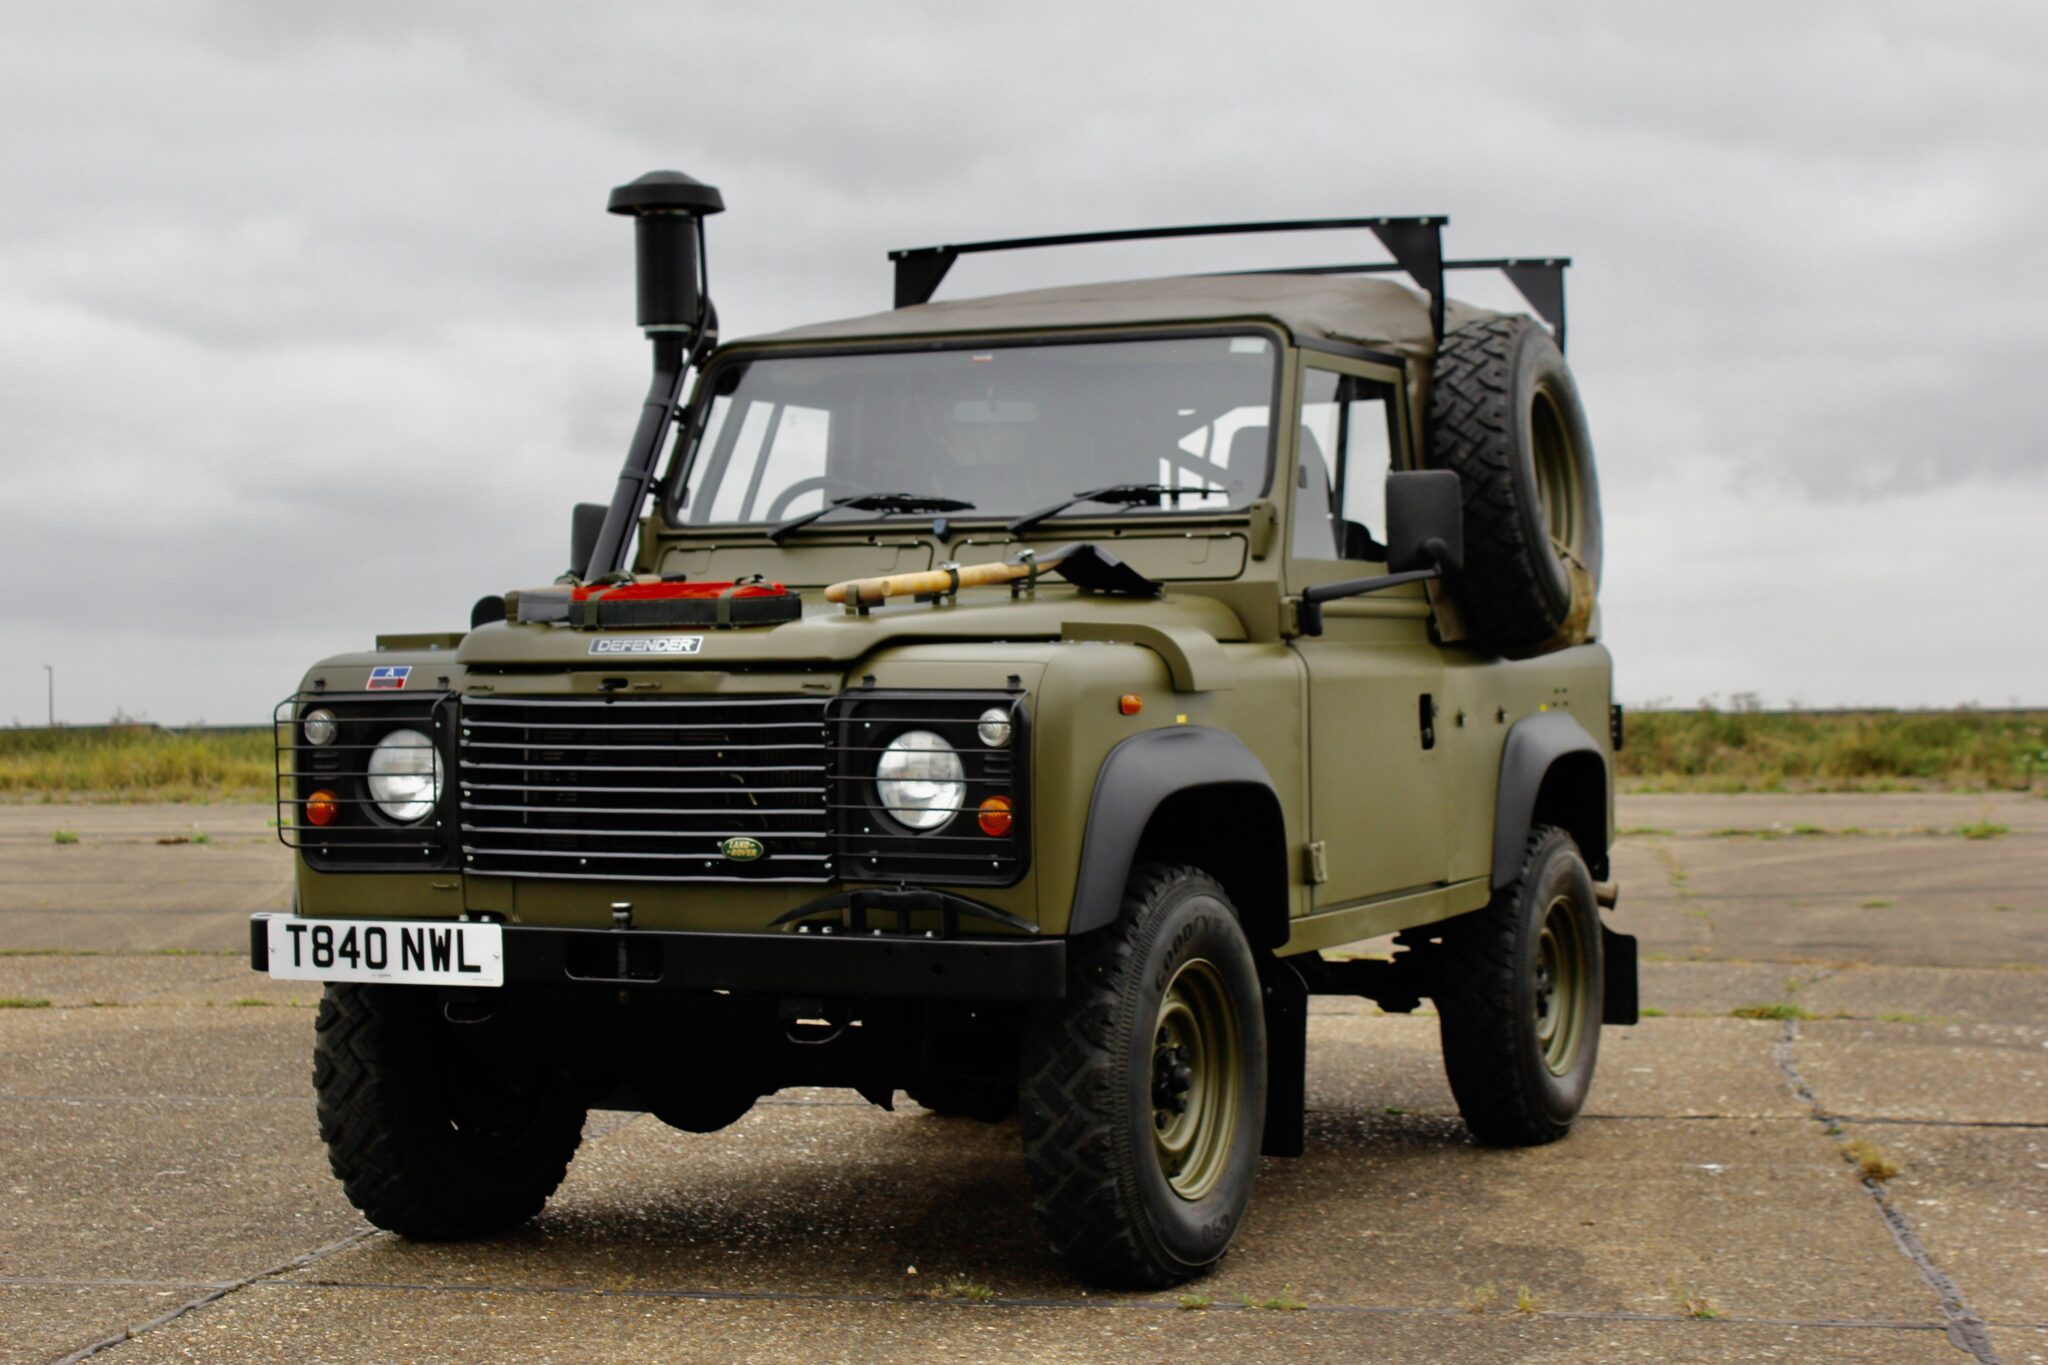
407 952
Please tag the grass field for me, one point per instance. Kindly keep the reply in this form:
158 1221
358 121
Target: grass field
1710 751
1724 751
135 763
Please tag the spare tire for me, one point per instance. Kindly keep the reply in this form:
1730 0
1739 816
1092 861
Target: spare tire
1504 414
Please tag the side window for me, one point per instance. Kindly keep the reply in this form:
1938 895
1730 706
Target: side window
1315 524
1347 448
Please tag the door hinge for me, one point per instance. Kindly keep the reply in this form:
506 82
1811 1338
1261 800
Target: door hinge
1425 712
1265 518
1317 865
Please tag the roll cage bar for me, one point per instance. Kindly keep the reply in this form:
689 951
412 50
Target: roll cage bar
1415 243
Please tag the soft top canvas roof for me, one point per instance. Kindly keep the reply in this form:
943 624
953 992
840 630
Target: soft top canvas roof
1374 313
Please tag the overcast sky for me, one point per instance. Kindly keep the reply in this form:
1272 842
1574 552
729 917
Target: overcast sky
312 323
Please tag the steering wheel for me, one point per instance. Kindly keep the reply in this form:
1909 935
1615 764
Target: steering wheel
779 508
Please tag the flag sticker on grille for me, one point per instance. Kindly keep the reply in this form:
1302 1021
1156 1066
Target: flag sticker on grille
647 644
389 677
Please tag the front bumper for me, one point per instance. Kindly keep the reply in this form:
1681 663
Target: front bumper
820 964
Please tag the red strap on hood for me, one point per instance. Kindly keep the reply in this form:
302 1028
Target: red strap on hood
670 592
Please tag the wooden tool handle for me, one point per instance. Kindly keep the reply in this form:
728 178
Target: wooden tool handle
859 590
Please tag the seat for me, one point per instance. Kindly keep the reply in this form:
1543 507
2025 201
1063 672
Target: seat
1244 464
1315 512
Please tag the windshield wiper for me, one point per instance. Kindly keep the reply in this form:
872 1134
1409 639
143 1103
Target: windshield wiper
871 502
1116 494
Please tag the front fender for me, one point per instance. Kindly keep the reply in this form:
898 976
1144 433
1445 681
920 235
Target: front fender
1139 776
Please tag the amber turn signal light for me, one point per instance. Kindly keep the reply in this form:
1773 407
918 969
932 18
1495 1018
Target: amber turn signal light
995 816
322 808
1130 703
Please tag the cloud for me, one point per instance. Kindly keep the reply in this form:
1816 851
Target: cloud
315 324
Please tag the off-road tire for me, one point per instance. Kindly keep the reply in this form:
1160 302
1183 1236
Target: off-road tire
392 1112
1488 1000
1086 1096
1505 416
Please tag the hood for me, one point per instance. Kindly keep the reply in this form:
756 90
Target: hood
831 636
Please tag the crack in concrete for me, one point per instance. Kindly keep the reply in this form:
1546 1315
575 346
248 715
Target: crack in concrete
1121 1305
215 1295
915 1300
1966 1331
105 1282
265 1281
1935 1123
68 953
1779 895
154 1099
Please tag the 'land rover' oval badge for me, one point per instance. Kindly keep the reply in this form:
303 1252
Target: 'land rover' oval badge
741 849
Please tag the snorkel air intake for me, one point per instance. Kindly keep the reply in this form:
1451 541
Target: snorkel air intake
672 307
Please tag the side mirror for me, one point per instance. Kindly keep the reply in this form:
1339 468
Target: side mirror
584 524
1425 539
1425 521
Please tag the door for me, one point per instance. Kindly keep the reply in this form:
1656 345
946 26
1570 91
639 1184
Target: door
1375 678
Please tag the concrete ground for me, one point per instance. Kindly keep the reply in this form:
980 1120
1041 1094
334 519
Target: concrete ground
166 1196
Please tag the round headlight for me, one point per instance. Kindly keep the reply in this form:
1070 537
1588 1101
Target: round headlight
319 726
405 776
920 780
994 727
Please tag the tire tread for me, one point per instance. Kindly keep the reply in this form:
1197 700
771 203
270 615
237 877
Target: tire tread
1474 432
363 1108
1475 998
1076 1145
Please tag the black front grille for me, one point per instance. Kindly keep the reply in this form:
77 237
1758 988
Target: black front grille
705 789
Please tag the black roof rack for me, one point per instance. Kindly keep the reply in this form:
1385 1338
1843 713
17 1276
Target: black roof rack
1416 244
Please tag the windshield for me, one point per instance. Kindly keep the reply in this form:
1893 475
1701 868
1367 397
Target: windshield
1005 429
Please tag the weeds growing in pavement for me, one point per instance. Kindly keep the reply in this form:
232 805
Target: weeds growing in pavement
1777 1009
1691 1303
1869 1161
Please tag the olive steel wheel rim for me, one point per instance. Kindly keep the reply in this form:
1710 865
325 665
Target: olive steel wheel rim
1559 492
1196 1082
1560 986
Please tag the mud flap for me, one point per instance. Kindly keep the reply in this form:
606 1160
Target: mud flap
1618 953
1286 998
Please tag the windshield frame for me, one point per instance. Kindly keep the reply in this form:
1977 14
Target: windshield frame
687 447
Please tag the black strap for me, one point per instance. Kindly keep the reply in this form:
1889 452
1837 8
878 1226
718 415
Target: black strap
731 591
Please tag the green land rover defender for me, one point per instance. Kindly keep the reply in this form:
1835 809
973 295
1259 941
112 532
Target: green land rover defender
1019 702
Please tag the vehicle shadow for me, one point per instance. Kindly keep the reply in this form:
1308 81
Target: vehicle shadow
830 1197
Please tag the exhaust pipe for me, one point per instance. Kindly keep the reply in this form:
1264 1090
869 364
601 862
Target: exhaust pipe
673 308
